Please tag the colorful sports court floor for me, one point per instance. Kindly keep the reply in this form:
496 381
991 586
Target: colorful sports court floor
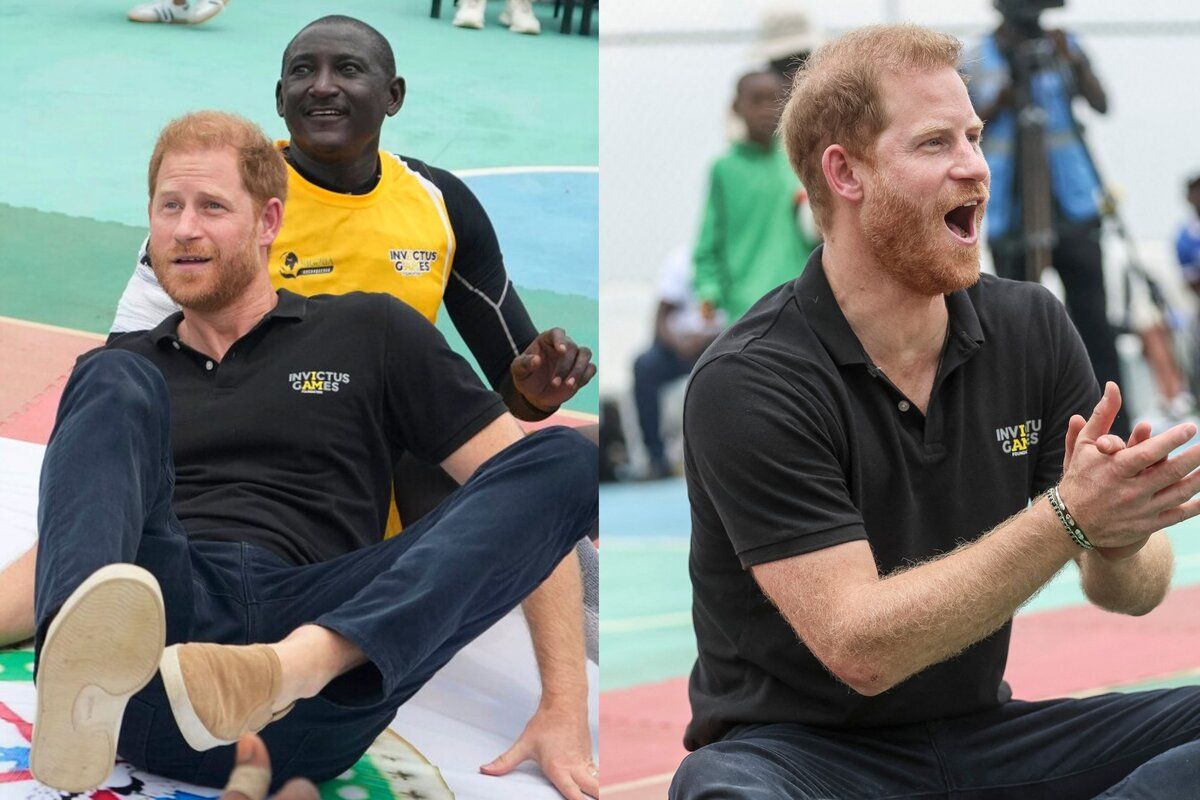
1060 645
515 116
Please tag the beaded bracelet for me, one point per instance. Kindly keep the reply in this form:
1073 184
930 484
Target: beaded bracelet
1068 521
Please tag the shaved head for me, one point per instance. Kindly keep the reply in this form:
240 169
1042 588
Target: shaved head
375 40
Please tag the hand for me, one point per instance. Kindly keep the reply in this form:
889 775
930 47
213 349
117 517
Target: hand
1108 444
562 746
252 774
708 310
1120 494
1059 38
552 369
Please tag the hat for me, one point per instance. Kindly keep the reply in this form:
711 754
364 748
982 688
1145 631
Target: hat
783 31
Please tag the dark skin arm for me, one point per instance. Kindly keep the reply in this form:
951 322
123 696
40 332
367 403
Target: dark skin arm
1086 84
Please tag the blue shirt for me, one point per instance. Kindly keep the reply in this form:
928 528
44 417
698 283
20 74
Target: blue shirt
1073 181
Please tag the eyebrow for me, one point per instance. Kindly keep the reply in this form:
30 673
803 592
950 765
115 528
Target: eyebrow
939 128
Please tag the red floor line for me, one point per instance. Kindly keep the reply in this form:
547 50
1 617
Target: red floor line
1053 653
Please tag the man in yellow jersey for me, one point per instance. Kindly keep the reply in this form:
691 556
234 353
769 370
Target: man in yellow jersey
361 219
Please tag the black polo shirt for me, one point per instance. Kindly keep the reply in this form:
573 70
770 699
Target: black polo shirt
287 442
796 442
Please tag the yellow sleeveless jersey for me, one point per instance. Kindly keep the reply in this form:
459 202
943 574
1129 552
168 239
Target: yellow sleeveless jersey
395 239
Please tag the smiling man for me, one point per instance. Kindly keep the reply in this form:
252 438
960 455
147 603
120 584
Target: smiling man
218 484
881 456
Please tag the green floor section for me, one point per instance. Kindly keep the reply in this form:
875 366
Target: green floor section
646 629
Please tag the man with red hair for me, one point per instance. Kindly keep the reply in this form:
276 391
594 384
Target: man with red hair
218 484
885 458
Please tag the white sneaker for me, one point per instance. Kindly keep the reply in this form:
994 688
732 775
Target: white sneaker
518 16
192 12
470 14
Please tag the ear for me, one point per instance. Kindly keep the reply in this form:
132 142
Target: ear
279 97
843 173
270 221
396 90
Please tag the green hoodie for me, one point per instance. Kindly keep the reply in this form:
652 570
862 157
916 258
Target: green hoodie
750 241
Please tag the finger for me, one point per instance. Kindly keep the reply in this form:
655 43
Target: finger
557 339
1074 426
564 782
1177 514
1141 432
583 357
297 789
1109 444
1103 415
1134 460
587 777
507 760
252 774
524 365
1178 492
588 374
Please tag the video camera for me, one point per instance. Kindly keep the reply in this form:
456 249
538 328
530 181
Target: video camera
1023 15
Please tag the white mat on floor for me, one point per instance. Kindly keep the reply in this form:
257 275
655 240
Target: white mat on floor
467 715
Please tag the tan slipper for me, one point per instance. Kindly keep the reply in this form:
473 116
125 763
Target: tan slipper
218 692
100 650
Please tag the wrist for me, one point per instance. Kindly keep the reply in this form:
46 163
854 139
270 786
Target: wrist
1067 520
1054 536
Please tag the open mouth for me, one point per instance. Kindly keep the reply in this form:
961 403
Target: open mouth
324 113
190 261
963 222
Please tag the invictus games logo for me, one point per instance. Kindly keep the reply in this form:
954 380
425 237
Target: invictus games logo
314 382
1015 440
295 267
413 262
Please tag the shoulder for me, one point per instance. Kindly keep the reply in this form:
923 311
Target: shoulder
771 350
450 185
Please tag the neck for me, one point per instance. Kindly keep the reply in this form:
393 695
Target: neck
214 332
761 144
358 174
900 329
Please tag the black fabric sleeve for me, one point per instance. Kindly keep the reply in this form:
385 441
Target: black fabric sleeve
432 397
1072 390
763 457
481 300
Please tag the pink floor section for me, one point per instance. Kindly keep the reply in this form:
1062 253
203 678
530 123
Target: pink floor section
1054 653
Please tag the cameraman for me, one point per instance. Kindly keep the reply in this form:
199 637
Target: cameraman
1057 71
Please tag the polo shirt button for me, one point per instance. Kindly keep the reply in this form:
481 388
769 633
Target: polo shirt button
903 405
175 345
208 365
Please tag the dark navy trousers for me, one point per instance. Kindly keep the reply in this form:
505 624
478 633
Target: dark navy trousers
410 603
1139 746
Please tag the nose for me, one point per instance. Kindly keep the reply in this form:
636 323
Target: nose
187 226
970 164
323 84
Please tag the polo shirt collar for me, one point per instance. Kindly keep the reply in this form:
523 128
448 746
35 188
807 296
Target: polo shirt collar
290 306
825 316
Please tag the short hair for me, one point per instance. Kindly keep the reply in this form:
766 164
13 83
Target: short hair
836 97
260 164
379 44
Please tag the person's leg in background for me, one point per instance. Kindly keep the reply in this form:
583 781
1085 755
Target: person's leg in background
652 371
1079 262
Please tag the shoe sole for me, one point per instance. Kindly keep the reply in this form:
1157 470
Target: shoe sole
100 650
193 730
178 21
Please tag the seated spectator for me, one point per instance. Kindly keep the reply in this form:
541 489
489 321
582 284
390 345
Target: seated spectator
681 334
